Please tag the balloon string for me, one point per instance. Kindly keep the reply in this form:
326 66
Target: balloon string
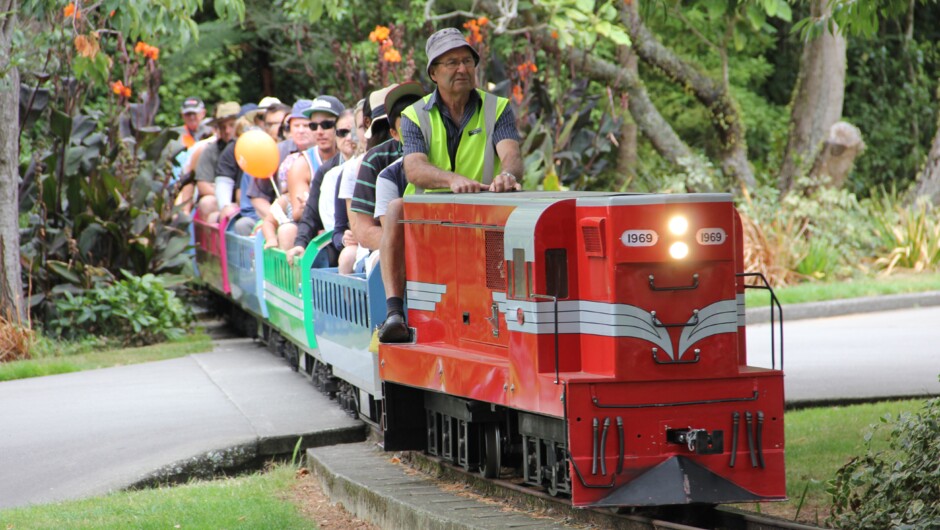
277 192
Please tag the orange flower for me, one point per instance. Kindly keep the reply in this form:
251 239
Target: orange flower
380 34
392 56
527 67
87 46
151 52
119 89
517 94
474 27
111 14
70 10
482 21
554 34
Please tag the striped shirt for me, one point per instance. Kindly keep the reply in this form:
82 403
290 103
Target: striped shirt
376 159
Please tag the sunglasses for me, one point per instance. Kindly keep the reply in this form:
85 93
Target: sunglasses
342 133
325 125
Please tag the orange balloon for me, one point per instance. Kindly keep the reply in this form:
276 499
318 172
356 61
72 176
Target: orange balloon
256 153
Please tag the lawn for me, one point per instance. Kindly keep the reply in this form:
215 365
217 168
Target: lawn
823 291
60 360
250 502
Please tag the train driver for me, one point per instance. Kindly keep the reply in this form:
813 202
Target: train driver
474 126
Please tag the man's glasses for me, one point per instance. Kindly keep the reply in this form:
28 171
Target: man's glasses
342 133
270 124
325 125
452 64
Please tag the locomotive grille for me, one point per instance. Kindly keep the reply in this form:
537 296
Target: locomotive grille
592 240
495 261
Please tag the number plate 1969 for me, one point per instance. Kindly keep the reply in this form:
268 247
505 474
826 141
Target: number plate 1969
711 236
639 238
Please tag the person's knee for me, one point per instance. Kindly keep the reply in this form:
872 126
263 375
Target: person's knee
207 206
244 225
347 259
286 234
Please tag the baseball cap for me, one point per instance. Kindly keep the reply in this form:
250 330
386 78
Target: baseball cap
248 108
192 104
228 109
444 41
299 109
326 104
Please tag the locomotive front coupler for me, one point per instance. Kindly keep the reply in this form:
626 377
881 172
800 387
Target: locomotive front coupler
698 441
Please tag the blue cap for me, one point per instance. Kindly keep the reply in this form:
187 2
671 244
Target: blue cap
299 110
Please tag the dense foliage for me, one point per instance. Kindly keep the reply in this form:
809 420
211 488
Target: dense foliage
899 488
98 76
135 311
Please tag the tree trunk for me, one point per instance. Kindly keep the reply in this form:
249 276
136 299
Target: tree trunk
817 99
11 285
722 110
838 153
626 150
929 182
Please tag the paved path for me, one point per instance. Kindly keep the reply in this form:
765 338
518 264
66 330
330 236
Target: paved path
885 354
88 433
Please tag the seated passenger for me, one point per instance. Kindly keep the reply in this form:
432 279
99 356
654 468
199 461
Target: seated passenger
230 183
344 193
224 124
278 228
366 229
318 215
321 120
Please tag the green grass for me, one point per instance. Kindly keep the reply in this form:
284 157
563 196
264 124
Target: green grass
50 362
250 502
822 291
821 440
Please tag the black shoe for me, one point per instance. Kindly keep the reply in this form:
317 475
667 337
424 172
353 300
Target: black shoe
394 329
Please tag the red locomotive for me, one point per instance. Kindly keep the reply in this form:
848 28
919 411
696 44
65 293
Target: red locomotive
593 341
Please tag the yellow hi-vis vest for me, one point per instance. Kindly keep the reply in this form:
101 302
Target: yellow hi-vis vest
476 155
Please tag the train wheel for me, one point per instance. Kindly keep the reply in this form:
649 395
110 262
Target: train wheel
491 458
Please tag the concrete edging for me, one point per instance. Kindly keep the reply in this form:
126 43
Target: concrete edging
246 456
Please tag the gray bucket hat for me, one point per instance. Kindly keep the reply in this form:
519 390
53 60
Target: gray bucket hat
444 41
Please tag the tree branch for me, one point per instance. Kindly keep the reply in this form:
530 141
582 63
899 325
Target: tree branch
723 113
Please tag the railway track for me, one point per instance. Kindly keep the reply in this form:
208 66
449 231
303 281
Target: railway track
668 518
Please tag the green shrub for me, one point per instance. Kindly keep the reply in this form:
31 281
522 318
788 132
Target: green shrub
895 489
908 235
814 232
134 311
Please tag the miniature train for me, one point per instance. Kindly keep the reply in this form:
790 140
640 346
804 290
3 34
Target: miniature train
592 344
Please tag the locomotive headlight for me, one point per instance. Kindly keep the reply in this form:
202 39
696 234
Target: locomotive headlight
678 225
678 250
